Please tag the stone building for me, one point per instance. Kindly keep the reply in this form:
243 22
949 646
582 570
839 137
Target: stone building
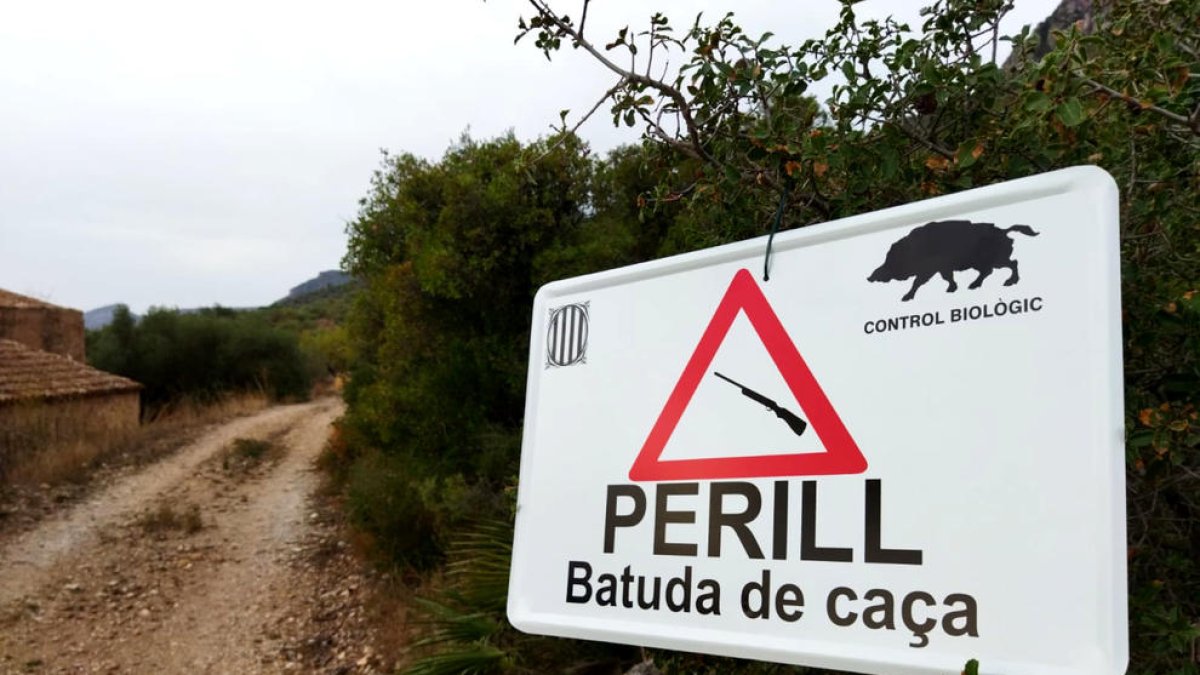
48 394
40 325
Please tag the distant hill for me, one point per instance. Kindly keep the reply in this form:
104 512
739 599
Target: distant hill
95 319
324 280
324 289
327 306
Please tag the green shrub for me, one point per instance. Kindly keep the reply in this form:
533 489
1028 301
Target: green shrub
451 252
385 503
201 355
409 515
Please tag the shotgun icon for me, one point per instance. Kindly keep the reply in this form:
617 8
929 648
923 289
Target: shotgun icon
790 418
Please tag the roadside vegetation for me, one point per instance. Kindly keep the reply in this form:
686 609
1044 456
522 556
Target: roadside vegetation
197 368
328 306
200 355
451 252
281 351
319 320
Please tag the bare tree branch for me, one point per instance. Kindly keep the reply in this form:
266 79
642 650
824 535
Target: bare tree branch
633 78
571 132
650 56
583 18
995 38
655 129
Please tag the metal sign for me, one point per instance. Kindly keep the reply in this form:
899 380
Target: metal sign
902 452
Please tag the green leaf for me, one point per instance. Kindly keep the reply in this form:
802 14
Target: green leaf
1038 103
1164 42
972 667
889 162
1141 439
1070 112
967 153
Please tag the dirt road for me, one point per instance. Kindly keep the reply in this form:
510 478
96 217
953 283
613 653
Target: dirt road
212 560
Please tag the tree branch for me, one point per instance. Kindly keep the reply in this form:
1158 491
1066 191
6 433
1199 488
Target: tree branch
1174 117
655 129
914 135
650 56
632 77
570 132
995 38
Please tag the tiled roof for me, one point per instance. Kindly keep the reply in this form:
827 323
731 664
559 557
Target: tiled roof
10 299
31 374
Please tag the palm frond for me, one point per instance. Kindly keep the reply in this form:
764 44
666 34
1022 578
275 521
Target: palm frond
475 659
448 624
479 565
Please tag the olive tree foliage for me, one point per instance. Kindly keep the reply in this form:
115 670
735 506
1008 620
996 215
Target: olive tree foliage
919 111
200 356
451 253
916 112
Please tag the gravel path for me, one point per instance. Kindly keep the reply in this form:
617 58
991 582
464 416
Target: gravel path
208 561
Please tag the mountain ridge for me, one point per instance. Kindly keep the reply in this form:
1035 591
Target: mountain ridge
325 281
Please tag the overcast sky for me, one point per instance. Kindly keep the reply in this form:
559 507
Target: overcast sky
183 155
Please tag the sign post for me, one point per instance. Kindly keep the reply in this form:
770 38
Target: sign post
902 452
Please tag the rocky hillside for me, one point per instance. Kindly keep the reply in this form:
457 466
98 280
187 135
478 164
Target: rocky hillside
324 280
317 289
1068 13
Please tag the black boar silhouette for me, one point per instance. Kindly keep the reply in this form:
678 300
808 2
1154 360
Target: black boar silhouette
946 246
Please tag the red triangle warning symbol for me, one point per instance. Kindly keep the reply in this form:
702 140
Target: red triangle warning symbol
841 455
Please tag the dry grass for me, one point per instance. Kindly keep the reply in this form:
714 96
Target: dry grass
395 625
245 454
190 411
166 519
37 459
66 462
